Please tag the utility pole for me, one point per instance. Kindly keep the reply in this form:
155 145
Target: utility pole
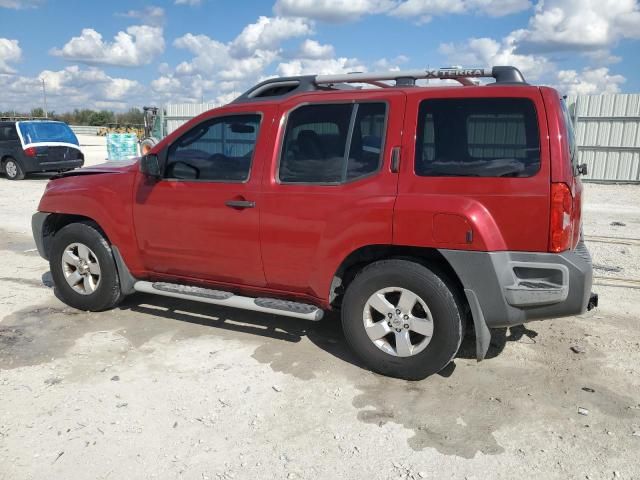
44 96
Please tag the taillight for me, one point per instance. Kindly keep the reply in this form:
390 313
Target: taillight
30 151
561 220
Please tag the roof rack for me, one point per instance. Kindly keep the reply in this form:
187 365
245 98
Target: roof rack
284 86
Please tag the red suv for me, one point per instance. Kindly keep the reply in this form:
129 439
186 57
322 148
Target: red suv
409 209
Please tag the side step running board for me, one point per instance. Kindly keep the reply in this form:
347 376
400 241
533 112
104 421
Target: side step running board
228 299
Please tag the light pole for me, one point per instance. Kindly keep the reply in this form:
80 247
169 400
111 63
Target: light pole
44 96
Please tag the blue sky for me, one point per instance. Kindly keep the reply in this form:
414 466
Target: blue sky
119 54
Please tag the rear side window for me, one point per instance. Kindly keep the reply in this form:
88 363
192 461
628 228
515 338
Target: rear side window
477 137
8 132
218 150
332 143
571 135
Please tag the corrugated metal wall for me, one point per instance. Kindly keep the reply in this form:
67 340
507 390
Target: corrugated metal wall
608 135
607 130
179 113
85 129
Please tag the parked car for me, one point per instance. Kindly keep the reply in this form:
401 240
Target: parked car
37 146
410 210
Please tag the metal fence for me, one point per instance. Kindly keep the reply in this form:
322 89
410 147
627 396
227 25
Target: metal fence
85 129
607 130
608 135
175 115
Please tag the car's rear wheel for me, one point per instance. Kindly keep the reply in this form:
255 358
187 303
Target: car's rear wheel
402 319
83 269
13 169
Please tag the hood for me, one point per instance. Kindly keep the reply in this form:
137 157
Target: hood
108 167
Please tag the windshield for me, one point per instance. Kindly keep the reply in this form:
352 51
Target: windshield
45 132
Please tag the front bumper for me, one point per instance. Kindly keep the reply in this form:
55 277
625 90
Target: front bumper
38 221
516 287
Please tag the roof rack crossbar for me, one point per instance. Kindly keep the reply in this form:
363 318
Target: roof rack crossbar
501 75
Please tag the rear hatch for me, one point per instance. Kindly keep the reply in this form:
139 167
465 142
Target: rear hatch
49 142
58 153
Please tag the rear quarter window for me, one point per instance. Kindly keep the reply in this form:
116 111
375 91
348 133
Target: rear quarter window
477 137
571 134
8 132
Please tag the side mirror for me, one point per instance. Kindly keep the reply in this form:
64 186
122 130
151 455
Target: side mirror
150 166
582 169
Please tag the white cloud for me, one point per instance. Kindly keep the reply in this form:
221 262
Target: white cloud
149 15
420 10
246 57
498 8
139 45
268 33
221 71
324 66
580 25
385 64
425 10
20 4
588 82
332 10
69 88
312 49
10 52
487 52
188 2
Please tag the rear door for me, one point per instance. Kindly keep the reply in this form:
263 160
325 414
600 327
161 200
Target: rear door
475 170
9 140
330 190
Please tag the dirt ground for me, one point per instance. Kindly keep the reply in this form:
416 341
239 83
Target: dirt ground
160 388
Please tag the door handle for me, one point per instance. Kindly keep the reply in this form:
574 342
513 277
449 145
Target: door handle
240 204
395 159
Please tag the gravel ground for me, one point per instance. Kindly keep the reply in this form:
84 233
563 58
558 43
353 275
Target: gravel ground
160 388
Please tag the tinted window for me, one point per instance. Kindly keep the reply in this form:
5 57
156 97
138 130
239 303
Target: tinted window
8 132
332 144
571 135
217 150
47 132
483 137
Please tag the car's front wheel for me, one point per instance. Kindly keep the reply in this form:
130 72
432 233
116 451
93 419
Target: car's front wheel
13 169
402 319
83 269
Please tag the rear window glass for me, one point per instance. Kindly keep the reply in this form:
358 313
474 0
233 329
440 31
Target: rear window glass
477 137
45 132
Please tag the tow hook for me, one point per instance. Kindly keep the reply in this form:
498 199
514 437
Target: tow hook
593 301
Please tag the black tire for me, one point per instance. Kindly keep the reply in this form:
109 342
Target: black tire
107 293
446 311
12 169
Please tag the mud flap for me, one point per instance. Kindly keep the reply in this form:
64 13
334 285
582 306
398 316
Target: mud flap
126 279
483 334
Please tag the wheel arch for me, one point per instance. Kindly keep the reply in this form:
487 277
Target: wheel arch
6 157
430 258
56 221
359 258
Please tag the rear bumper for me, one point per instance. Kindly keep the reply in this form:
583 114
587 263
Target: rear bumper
516 287
44 165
